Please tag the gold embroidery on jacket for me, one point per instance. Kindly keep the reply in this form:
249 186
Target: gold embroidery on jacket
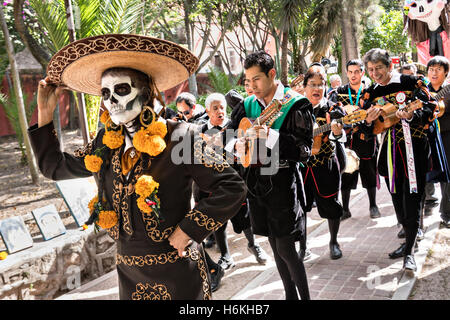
151 292
148 259
121 193
151 226
207 156
83 151
114 232
194 254
203 220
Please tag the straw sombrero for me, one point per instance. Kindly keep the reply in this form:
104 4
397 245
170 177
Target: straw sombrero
80 64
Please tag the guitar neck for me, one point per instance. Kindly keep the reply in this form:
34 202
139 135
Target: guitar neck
269 114
442 92
324 128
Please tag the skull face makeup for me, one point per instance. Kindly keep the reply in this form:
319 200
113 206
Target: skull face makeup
122 100
427 11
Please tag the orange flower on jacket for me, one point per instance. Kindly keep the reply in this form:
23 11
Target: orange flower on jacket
145 186
113 139
93 163
143 206
157 128
143 141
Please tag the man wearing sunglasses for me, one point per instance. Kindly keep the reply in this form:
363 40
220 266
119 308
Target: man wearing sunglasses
187 105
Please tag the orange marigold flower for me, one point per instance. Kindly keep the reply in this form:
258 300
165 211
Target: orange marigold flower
143 206
104 117
156 145
3 255
113 139
92 203
151 144
107 219
146 185
139 140
93 163
159 128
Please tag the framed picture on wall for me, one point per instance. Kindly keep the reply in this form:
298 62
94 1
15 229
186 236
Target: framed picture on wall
49 222
15 234
77 193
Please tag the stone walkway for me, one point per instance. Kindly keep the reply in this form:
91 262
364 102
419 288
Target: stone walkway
365 271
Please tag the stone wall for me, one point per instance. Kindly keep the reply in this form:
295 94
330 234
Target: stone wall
51 268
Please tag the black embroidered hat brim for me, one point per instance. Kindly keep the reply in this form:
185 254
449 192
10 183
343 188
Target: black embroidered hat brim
80 64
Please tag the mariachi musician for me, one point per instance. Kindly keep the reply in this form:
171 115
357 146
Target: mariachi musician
404 156
275 210
322 172
365 145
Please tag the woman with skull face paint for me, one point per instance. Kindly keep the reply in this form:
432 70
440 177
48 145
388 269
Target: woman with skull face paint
144 166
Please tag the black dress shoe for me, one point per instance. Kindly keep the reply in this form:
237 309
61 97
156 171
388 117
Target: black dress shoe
399 252
346 214
445 224
374 212
216 277
304 254
401 234
409 264
335 251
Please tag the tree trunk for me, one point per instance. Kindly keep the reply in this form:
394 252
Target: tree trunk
80 97
349 35
20 105
284 56
193 88
38 52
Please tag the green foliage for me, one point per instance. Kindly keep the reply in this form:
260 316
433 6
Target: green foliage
119 16
221 82
386 34
390 5
15 39
91 17
52 19
12 113
92 112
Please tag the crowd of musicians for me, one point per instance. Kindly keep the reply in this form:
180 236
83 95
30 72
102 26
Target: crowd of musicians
392 126
282 151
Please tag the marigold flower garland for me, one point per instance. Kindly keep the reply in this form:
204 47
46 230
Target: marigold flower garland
149 139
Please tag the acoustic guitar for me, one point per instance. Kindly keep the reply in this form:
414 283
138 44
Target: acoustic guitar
267 118
439 97
388 118
354 117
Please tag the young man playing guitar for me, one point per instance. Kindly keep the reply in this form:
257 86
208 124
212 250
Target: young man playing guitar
275 209
437 72
404 156
365 145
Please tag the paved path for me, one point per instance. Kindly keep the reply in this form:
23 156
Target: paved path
365 271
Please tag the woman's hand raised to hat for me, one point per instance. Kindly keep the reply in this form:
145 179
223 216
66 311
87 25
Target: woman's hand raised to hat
47 98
